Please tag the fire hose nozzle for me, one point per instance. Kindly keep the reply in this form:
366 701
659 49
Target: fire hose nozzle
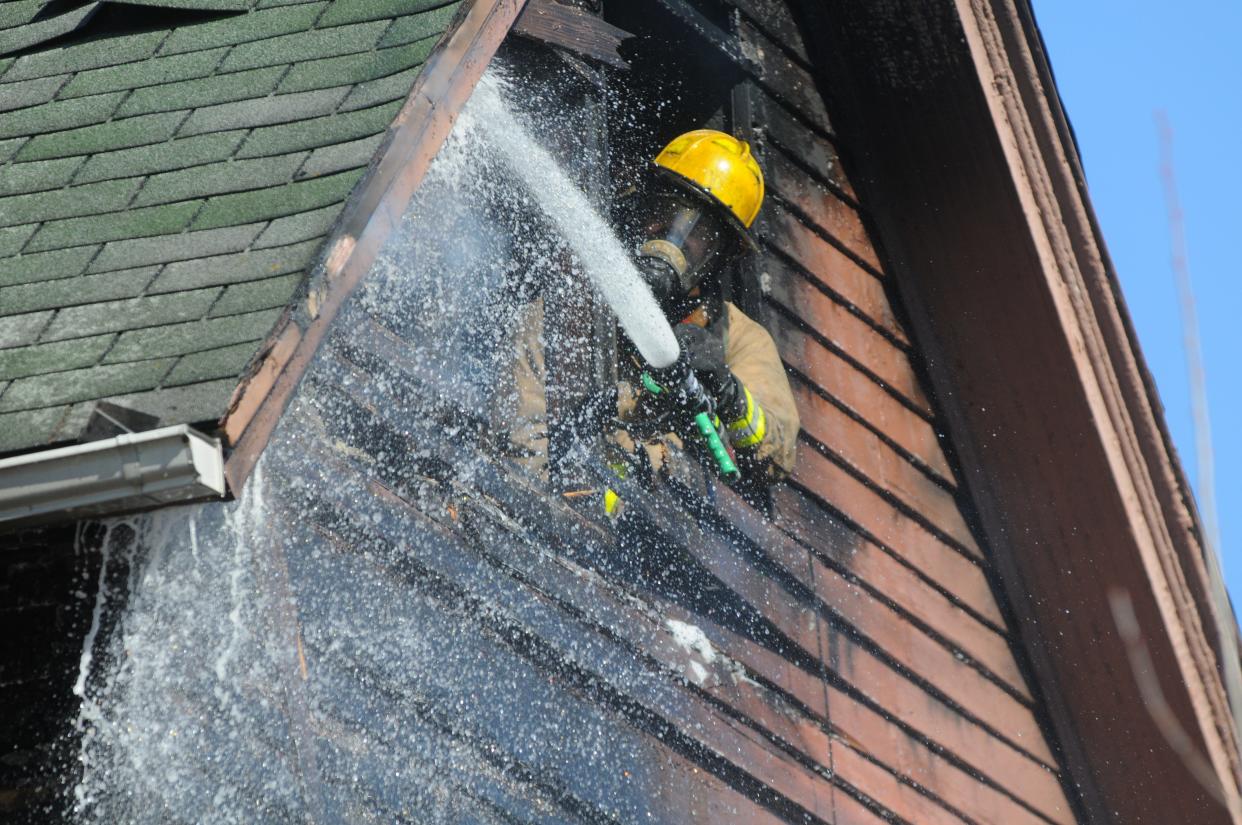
689 394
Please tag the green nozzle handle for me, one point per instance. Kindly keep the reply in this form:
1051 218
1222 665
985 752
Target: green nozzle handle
724 461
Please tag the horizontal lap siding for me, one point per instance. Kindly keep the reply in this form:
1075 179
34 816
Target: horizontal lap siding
851 664
909 630
782 722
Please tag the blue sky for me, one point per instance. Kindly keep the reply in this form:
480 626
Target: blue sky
1116 63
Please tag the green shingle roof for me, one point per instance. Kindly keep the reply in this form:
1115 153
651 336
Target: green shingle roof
164 193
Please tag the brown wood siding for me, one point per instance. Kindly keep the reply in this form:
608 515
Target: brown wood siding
893 559
861 670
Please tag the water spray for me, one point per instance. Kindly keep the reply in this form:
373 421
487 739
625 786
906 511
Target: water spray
605 262
601 255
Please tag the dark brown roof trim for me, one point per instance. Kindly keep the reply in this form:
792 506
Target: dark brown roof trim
374 211
574 29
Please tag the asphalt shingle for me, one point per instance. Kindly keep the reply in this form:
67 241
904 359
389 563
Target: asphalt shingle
240 266
9 147
82 289
29 92
22 178
320 131
21 362
412 27
133 223
34 33
300 227
153 71
161 157
263 111
102 137
209 5
215 179
89 199
134 313
26 429
202 91
59 388
353 68
305 46
19 330
191 403
45 266
13 238
133 252
16 12
265 204
90 54
60 114
393 87
375 9
164 195
273 292
341 156
180 339
261 25
216 363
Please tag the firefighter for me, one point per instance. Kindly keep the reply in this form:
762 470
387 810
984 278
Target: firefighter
692 223
689 224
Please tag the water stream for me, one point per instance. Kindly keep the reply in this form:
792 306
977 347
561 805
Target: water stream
595 245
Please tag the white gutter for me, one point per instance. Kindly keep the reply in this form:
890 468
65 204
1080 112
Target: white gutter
135 471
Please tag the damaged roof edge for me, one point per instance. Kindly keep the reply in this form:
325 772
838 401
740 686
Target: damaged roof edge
1040 383
1167 502
1171 483
374 210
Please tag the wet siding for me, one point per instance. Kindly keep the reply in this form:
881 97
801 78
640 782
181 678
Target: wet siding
914 623
691 662
454 644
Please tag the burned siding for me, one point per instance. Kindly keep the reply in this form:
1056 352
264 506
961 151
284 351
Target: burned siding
437 635
444 639
424 633
902 585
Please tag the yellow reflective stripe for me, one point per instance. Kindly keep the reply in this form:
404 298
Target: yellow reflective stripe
750 430
744 422
757 433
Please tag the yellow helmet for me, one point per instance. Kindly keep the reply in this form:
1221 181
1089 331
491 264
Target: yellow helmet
720 165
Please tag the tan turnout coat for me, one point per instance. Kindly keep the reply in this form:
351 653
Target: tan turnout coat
750 354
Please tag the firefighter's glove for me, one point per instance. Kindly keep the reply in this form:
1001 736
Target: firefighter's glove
704 350
740 411
670 400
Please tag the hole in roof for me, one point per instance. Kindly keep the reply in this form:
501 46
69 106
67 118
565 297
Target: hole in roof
111 20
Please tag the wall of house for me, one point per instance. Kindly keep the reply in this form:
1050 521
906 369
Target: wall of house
904 593
913 618
431 634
